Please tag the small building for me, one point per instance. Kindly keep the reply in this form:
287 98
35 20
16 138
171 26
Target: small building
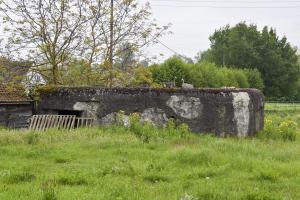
15 107
225 112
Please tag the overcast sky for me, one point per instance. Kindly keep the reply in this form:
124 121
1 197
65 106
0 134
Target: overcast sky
193 21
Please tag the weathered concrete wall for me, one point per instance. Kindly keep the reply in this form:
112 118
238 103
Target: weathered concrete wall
15 115
238 112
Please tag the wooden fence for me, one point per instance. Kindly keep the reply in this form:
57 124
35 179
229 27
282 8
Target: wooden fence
45 122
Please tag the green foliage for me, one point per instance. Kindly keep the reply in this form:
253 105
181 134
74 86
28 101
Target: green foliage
254 79
172 70
146 131
206 74
278 129
13 72
47 88
80 73
244 46
141 77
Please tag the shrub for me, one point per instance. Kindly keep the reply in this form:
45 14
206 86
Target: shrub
240 78
173 69
278 129
288 130
146 131
142 76
254 79
143 131
206 74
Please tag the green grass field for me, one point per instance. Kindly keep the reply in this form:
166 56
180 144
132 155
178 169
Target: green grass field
117 163
273 106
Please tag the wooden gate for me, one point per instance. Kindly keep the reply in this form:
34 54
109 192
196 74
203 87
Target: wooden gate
45 122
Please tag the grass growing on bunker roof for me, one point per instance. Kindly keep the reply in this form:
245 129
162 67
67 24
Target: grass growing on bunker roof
118 163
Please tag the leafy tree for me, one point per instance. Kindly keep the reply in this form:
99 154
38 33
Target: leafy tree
142 76
127 58
79 73
13 72
204 56
244 46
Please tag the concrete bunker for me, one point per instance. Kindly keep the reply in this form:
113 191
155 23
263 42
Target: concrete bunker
233 112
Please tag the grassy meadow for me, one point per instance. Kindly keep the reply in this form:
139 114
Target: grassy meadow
275 106
142 162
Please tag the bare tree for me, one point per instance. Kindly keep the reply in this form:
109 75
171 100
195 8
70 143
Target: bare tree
45 31
50 32
120 25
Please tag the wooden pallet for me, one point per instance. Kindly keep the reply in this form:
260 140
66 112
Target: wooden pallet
45 122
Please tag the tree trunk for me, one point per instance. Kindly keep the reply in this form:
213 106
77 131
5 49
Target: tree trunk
55 74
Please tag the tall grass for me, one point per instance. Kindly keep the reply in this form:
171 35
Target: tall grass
144 162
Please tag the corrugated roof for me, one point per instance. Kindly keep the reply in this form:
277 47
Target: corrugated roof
10 95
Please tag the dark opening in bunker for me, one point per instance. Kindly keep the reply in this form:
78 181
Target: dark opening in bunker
70 112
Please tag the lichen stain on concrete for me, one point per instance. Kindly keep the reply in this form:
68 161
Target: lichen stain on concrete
185 107
154 115
89 109
109 119
241 102
113 118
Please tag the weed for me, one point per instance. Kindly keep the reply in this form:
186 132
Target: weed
71 180
277 128
32 138
48 191
22 177
156 178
